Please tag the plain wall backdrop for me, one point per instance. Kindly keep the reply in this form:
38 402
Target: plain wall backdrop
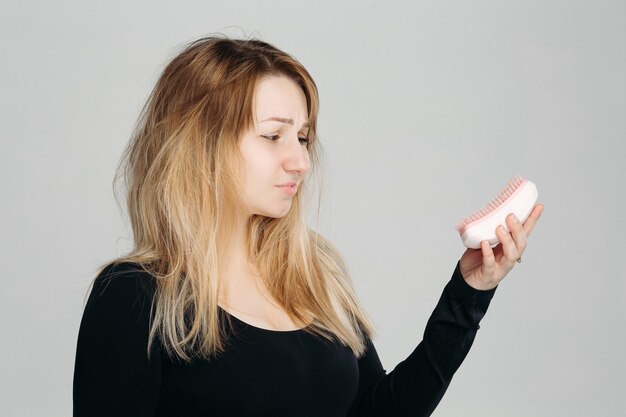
427 109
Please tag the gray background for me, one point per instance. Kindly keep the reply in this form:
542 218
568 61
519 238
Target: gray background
427 110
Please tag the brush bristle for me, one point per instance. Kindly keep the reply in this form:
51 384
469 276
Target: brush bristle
506 192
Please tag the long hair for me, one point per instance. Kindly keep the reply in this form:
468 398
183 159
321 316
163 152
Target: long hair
183 182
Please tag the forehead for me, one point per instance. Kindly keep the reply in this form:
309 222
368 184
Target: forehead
279 96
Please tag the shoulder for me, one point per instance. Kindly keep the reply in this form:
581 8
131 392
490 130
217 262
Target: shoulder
120 285
113 339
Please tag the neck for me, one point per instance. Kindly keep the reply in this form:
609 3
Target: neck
237 269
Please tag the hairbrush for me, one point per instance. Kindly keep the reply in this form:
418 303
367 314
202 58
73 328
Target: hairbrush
517 197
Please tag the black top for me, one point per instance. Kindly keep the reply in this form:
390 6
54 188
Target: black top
263 372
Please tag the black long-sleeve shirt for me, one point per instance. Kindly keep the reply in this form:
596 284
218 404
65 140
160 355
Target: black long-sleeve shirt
263 372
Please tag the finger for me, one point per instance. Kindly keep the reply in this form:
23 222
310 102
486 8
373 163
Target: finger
517 233
529 224
509 249
489 260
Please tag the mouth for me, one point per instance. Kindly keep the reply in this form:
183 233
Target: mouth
290 188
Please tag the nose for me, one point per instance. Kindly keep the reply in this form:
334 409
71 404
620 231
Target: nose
296 156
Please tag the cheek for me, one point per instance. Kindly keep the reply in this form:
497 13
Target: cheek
259 173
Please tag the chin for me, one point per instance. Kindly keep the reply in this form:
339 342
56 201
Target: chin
276 213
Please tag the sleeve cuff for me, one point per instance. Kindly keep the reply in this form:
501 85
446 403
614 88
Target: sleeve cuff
465 292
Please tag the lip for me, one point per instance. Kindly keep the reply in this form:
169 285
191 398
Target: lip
290 189
287 184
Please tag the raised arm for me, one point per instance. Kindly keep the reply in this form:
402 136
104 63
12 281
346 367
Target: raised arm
417 384
112 374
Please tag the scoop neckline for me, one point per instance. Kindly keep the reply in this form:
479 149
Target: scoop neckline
261 329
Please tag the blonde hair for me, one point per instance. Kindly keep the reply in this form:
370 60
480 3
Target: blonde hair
181 174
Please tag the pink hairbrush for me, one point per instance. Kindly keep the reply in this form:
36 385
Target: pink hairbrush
518 197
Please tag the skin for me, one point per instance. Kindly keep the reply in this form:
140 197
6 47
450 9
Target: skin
274 153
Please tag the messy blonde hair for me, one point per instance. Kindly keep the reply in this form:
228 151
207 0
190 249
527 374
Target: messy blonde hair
181 175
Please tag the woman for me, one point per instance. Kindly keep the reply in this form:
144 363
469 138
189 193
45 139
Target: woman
228 304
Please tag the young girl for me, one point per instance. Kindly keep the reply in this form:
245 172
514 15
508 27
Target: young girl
228 304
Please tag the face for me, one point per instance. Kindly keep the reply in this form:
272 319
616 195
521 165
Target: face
275 151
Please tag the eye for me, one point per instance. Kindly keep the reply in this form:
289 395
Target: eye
273 138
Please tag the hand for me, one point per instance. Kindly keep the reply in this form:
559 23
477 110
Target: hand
484 268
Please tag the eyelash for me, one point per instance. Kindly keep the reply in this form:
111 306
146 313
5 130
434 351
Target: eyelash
306 140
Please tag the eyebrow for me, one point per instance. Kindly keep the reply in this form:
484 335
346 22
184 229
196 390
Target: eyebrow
283 120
